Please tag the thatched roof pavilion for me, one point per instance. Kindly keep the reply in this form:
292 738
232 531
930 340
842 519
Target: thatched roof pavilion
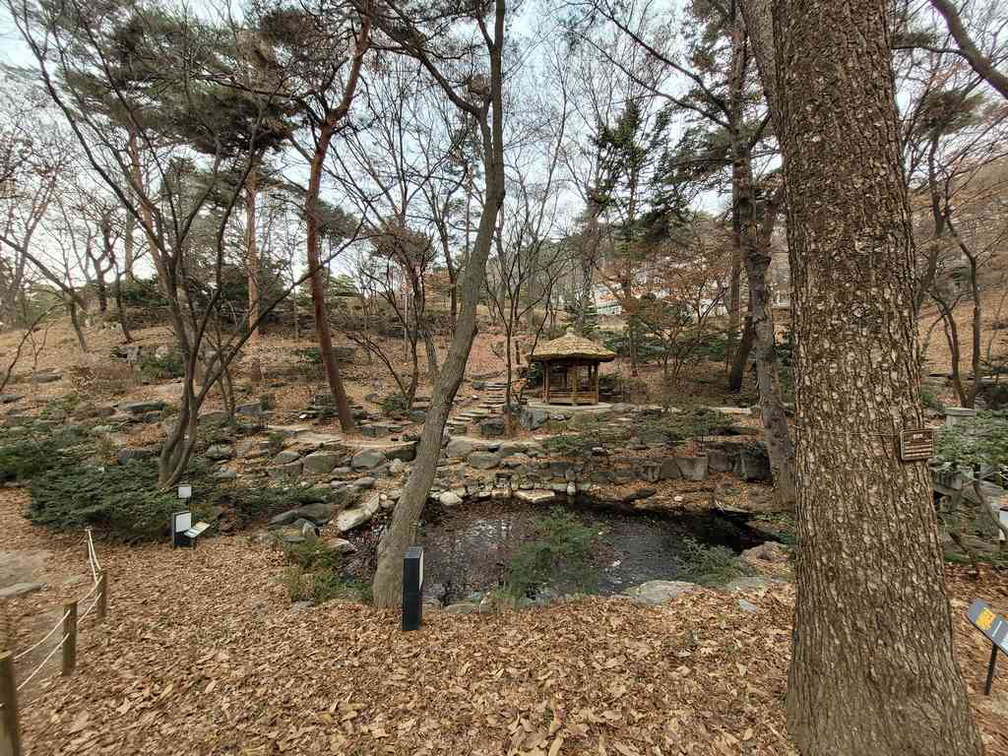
571 369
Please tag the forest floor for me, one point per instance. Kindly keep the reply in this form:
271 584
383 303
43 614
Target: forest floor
201 653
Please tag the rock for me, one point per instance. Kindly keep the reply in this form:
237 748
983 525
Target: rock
508 448
129 453
515 460
669 470
459 448
375 430
418 416
46 376
462 608
771 551
253 409
353 517
747 606
693 468
449 499
482 460
138 408
309 531
364 483
435 592
406 452
19 589
479 385
754 463
291 469
301 606
533 418
319 513
286 457
368 459
128 352
492 427
748 583
660 591
396 466
340 546
219 452
10 398
226 474
245 447
535 496
320 463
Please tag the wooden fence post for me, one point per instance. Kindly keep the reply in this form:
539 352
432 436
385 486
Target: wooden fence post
102 595
10 738
69 638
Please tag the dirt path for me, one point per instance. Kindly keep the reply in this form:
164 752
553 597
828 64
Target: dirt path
201 654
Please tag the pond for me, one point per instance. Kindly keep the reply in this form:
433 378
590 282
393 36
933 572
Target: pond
469 548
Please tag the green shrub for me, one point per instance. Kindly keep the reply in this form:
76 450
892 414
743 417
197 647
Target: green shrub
394 405
249 503
931 400
694 422
560 553
327 585
567 445
24 460
122 500
313 556
154 368
142 293
314 573
709 565
275 442
311 355
296 583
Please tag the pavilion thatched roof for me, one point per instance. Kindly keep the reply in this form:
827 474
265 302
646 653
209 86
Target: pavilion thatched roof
570 346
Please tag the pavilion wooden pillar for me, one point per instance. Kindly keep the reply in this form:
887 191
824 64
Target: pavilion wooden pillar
597 366
546 370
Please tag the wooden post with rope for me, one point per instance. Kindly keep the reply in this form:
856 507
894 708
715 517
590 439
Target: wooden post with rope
10 737
69 638
102 595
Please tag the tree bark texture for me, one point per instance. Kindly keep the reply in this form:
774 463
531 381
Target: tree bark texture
872 669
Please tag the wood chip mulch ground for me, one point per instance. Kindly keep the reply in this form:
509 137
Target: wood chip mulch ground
202 654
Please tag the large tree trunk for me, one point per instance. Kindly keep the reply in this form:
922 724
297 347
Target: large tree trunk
872 669
322 327
756 253
753 236
387 587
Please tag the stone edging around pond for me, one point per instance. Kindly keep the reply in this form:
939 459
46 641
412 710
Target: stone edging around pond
472 469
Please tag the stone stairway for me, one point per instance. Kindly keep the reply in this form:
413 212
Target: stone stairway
462 421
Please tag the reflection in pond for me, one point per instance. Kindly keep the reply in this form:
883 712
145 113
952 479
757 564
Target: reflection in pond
468 547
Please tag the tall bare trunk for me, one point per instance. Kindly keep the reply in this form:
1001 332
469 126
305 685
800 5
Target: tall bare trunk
872 668
741 356
387 587
322 327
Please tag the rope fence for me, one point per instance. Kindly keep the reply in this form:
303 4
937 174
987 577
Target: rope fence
68 623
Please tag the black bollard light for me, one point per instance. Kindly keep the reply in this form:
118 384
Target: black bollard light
412 588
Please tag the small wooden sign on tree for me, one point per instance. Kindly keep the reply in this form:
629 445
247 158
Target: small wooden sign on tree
916 444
